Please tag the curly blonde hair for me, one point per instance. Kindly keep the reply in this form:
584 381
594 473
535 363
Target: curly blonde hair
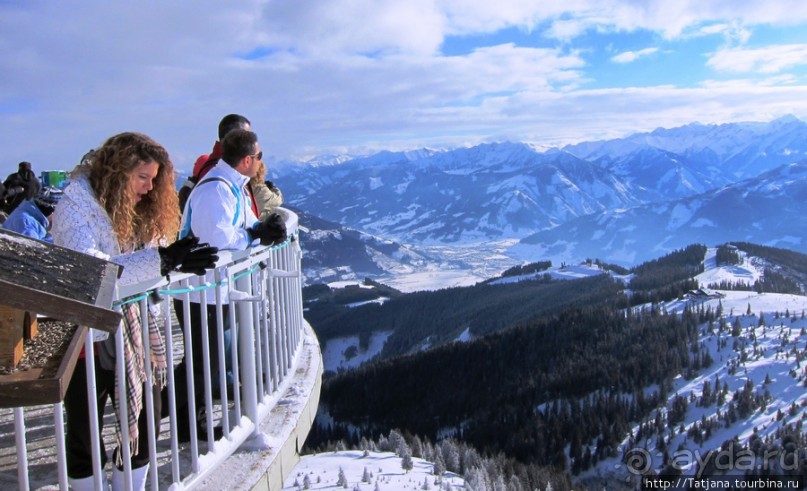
153 219
259 176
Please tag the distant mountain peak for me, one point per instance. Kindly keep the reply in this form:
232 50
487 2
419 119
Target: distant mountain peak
786 119
620 200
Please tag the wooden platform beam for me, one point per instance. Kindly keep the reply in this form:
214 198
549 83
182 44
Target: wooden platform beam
11 335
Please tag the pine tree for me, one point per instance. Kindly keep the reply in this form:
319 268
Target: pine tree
307 482
417 447
395 441
406 461
514 484
476 480
439 464
366 477
402 448
451 455
736 327
342 480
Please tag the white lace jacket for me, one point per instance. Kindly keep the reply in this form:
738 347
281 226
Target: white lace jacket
81 224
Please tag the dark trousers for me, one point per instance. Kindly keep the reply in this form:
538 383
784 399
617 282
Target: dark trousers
78 438
180 372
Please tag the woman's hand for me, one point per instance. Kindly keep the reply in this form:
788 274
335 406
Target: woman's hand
187 256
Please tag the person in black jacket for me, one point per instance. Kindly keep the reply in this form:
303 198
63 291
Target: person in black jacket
20 186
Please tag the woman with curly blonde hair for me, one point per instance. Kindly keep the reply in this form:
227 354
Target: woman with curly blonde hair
267 196
121 206
155 214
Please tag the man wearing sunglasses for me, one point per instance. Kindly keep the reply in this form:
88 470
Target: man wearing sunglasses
219 211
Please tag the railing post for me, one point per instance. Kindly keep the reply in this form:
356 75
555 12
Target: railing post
246 348
258 320
61 464
171 386
153 431
92 408
19 436
271 313
123 405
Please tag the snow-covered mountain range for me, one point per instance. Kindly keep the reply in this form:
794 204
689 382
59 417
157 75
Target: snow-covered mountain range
768 209
334 252
481 193
622 201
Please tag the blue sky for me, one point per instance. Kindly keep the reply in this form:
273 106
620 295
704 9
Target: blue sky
357 76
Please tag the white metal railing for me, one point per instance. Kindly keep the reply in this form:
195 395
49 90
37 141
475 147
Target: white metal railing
266 319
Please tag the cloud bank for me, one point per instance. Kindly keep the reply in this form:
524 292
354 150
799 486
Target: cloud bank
319 76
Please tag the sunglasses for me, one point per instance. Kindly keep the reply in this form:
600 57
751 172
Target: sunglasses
258 155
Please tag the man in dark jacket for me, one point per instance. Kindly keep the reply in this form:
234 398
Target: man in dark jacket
20 186
207 161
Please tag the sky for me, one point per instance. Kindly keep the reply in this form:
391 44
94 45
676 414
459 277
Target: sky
329 77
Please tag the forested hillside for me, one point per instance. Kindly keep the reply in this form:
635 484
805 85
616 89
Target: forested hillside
564 374
433 318
530 390
667 277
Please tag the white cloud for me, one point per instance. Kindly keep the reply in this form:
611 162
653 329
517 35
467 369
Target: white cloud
631 56
420 25
318 75
767 60
323 27
734 32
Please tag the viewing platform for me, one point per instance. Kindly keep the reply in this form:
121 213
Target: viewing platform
266 419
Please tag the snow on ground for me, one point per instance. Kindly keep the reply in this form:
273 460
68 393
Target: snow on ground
429 280
344 353
575 272
346 283
747 272
465 336
563 272
383 470
767 355
459 265
379 300
433 280
772 360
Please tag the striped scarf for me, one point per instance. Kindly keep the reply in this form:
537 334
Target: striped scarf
135 370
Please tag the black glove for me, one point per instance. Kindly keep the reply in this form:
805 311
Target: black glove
188 256
272 230
271 185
